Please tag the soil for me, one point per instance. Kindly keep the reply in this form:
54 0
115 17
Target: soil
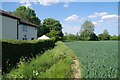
76 68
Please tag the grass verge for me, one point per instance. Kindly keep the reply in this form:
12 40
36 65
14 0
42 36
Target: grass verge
55 63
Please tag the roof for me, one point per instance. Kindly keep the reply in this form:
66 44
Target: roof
27 23
4 13
43 37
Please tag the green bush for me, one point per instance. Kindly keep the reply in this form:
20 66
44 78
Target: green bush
54 63
13 50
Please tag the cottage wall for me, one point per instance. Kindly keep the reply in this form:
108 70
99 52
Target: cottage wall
0 27
27 32
9 27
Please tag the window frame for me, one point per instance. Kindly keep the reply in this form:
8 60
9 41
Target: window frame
24 28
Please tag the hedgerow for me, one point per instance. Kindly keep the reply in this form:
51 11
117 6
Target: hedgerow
13 50
55 63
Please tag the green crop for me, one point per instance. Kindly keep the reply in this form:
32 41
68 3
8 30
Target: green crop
98 59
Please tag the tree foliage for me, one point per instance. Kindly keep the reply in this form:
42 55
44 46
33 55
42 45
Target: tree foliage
88 26
27 14
52 28
71 37
104 36
114 37
87 31
52 24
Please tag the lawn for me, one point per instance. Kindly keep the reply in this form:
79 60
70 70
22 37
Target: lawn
98 59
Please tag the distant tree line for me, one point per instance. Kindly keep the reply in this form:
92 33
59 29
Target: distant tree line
76 37
87 34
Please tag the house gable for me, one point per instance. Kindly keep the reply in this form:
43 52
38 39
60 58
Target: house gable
21 21
16 27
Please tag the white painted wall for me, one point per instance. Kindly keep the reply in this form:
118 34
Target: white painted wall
30 33
0 27
9 28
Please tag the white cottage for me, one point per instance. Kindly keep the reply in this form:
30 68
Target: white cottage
15 28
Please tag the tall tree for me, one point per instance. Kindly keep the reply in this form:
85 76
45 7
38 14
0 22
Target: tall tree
88 26
50 26
104 36
27 14
87 31
105 32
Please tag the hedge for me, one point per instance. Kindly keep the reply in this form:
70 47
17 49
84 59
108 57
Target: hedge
13 50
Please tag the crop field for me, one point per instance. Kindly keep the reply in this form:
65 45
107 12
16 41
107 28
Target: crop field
98 59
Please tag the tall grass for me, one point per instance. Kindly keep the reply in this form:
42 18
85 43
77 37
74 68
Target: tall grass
13 50
55 63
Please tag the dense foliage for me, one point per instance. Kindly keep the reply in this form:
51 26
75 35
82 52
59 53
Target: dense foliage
71 37
27 14
13 50
115 37
87 32
98 59
104 36
52 28
54 63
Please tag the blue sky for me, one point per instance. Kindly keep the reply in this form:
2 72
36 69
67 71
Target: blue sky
72 14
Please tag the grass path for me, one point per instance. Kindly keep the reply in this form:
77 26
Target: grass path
59 62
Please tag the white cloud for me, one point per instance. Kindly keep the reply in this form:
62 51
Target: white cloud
35 1
95 15
92 16
73 18
24 1
95 23
45 2
28 5
109 19
100 21
101 13
113 16
65 5
66 1
71 29
109 22
42 2
48 2
82 18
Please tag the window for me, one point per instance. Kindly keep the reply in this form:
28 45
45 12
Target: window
35 28
32 38
24 38
24 28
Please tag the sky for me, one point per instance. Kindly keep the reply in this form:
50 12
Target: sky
104 15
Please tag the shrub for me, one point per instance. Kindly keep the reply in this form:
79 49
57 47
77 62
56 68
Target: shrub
13 50
54 63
